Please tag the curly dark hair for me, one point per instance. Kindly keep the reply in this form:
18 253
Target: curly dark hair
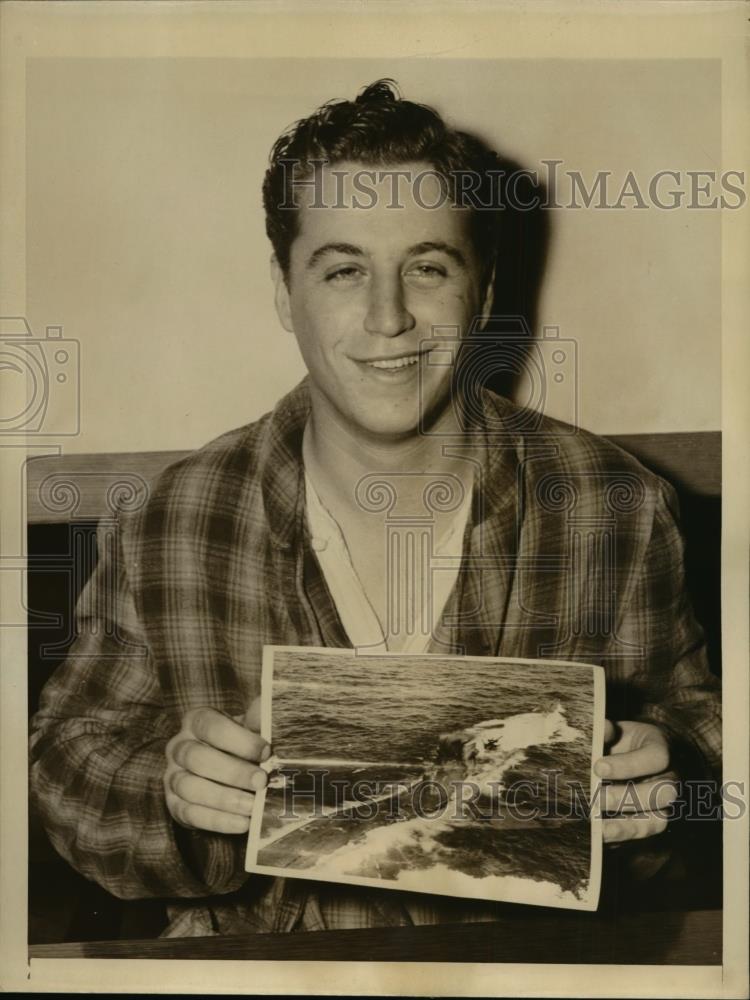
379 128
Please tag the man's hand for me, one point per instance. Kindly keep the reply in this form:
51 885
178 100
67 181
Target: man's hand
212 770
636 750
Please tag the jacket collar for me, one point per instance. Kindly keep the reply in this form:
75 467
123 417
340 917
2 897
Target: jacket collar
282 474
280 464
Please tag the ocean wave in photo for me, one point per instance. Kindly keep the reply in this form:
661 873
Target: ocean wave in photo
394 708
435 726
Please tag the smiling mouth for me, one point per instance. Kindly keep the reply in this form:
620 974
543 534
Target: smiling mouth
393 364
396 363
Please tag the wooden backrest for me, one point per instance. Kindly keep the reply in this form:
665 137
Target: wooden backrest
85 487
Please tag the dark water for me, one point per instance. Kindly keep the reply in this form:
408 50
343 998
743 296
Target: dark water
381 709
377 720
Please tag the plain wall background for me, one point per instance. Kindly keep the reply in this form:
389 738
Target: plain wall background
146 242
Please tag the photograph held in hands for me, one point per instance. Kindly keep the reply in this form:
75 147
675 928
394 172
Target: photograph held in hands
452 775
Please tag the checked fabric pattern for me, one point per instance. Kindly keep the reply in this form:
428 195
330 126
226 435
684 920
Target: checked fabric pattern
572 552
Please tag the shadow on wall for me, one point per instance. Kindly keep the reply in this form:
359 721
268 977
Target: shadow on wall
522 252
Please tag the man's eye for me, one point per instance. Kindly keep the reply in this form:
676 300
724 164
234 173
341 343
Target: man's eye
342 274
427 273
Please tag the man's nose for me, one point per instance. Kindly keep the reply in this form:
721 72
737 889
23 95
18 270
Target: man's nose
387 314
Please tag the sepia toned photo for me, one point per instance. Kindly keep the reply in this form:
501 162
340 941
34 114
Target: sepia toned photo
426 486
373 535
414 788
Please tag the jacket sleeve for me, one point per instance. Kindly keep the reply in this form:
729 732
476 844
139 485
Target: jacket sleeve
677 690
97 757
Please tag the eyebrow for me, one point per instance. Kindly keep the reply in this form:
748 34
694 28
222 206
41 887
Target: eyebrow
441 247
351 250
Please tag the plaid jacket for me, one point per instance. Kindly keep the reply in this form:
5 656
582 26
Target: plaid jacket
571 552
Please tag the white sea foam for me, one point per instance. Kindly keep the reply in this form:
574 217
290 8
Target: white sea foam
417 833
525 730
363 857
289 826
493 747
322 812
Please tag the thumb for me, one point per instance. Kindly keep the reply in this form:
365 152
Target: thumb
251 718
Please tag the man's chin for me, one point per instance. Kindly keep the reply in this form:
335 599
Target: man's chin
399 427
391 430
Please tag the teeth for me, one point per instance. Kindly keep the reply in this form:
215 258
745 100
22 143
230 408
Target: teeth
396 363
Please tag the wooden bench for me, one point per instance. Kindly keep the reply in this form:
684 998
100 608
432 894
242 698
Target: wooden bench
68 487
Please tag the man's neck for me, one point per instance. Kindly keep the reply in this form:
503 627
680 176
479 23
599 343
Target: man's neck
337 458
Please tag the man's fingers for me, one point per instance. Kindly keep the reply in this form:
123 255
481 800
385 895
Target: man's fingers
639 796
198 817
211 771
217 730
202 792
651 758
207 762
634 827
610 732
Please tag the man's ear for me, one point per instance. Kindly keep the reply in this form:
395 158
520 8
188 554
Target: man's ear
281 295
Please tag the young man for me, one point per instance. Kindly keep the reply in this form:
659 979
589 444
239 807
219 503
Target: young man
146 749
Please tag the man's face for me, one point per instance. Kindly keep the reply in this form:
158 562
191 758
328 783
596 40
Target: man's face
366 287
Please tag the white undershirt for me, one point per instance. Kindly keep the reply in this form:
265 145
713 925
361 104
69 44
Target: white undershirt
430 595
